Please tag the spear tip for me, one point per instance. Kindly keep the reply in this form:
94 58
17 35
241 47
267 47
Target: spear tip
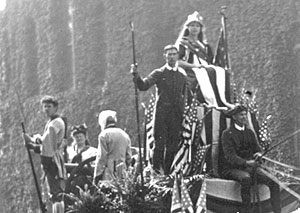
131 24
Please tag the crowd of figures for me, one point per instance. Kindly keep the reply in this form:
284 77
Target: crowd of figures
113 152
188 74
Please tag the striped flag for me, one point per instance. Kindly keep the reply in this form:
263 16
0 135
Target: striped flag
176 206
220 58
149 128
214 86
181 200
182 158
201 202
214 122
187 204
214 80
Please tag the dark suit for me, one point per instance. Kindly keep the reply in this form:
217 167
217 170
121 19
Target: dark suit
238 147
171 88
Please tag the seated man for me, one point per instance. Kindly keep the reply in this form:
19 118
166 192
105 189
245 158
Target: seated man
240 149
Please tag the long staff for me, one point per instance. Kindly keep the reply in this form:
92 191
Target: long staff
281 142
137 106
42 205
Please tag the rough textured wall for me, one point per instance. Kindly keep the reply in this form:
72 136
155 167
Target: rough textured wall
86 65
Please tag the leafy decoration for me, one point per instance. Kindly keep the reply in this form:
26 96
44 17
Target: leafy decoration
128 195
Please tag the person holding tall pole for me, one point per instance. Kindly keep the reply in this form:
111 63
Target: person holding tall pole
241 160
171 85
49 146
39 194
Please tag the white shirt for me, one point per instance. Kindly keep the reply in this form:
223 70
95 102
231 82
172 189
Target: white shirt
175 68
240 128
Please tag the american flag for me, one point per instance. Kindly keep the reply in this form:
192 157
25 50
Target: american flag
264 134
176 205
149 128
187 204
214 80
198 159
214 86
182 158
220 58
248 99
201 202
181 200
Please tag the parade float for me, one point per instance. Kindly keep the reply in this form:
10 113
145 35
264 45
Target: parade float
194 184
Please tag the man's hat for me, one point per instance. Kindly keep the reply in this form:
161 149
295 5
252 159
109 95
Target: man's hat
79 129
235 110
194 17
169 47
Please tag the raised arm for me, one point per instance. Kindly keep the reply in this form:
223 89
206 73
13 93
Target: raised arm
146 83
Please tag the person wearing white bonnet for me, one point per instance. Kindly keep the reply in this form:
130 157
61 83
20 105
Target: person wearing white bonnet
196 58
114 148
194 51
106 115
193 36
194 17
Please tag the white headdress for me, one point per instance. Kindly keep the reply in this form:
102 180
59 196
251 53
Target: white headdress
104 115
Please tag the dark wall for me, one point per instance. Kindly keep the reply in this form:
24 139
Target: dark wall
87 66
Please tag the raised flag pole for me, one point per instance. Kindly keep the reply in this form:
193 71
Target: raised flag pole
137 106
223 20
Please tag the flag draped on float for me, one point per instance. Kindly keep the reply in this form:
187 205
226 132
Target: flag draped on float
182 159
214 80
215 121
214 86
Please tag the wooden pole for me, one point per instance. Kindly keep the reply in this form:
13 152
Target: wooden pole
137 107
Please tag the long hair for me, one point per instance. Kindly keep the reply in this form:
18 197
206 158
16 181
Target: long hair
185 33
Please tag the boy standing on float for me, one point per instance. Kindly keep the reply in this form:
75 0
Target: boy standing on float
49 147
